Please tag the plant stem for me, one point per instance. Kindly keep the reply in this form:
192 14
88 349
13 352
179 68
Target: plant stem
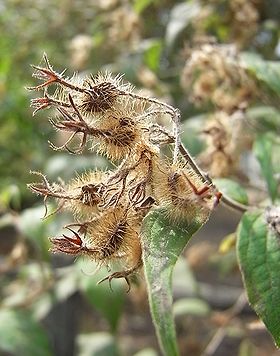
227 201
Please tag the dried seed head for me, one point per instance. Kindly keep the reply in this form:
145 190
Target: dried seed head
214 73
120 133
101 93
114 235
87 191
182 192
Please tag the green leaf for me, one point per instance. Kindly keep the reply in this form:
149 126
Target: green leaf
152 55
264 118
263 149
140 5
162 243
232 189
180 17
258 251
21 335
109 302
191 138
268 72
30 224
97 344
10 195
191 306
146 352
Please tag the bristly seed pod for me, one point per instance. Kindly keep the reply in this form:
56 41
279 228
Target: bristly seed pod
113 233
88 191
119 134
112 236
183 193
101 93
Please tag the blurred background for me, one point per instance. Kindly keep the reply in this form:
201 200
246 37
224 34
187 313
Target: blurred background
186 53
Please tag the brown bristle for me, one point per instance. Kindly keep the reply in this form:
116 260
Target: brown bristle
119 136
99 98
90 195
182 192
115 240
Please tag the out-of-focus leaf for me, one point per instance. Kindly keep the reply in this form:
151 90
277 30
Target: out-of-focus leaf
263 149
10 195
268 72
180 17
190 136
97 344
246 348
31 274
21 335
183 278
162 243
227 243
6 219
146 352
191 306
258 251
264 118
108 302
68 283
232 189
64 166
30 223
141 5
152 55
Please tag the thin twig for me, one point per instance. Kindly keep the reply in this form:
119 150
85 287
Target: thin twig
227 201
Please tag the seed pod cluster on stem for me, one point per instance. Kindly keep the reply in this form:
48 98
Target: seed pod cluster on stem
108 208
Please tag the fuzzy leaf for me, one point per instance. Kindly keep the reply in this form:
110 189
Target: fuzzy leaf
258 251
21 335
232 189
163 242
263 149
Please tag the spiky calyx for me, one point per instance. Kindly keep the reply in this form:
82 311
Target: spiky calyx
183 193
114 235
119 134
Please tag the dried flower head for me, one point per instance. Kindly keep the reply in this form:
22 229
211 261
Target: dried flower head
183 193
120 134
101 93
215 74
272 216
109 207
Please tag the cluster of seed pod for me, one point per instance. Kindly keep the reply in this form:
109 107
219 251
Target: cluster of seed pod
108 207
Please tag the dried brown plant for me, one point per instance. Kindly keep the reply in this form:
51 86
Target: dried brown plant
109 207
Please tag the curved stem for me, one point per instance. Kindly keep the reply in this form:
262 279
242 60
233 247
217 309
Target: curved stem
227 201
